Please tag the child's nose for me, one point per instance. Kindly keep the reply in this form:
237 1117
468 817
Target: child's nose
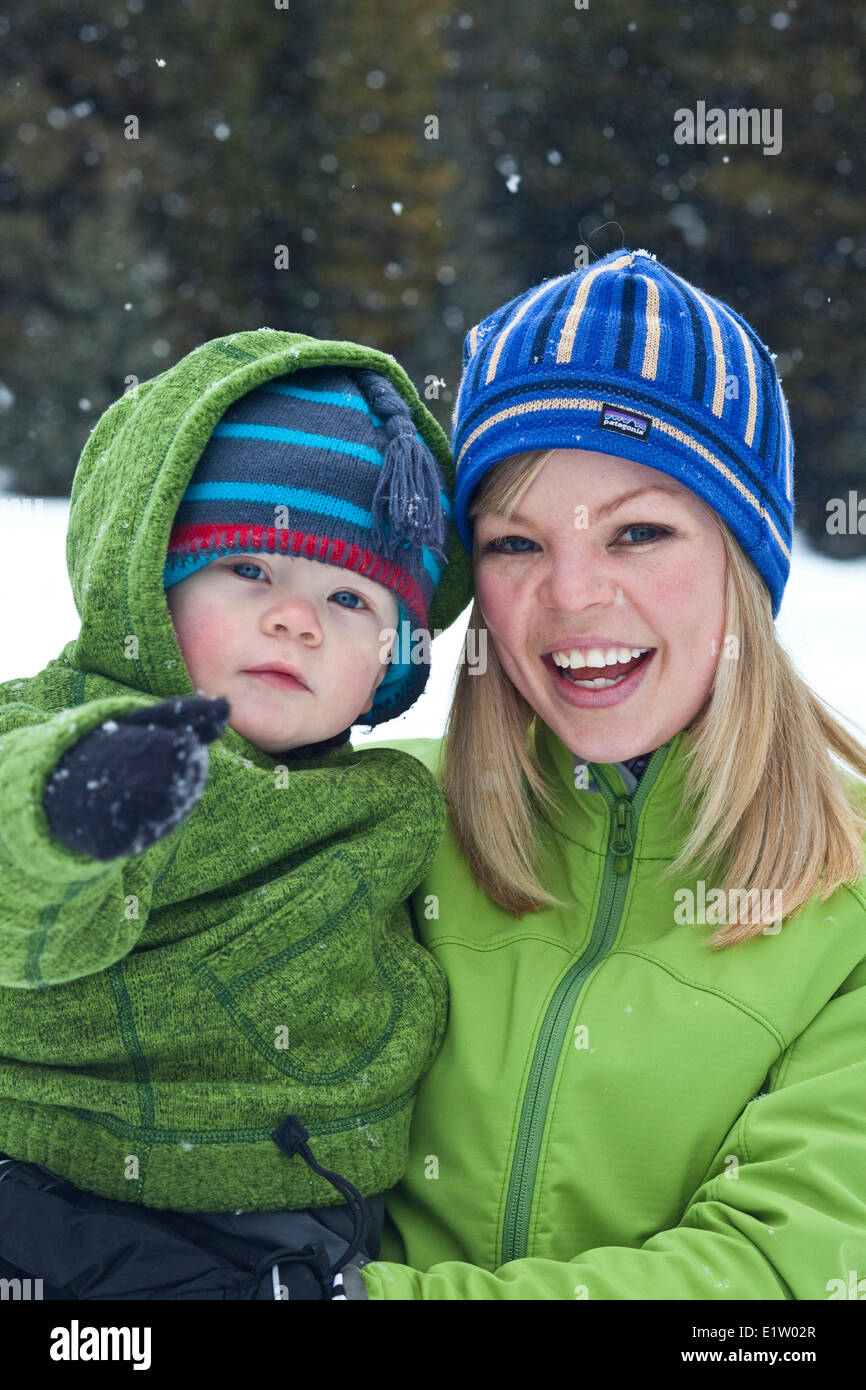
294 615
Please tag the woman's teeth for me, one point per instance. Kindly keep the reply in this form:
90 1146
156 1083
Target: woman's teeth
595 657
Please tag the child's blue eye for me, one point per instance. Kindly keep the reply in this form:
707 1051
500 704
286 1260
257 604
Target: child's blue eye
349 593
248 565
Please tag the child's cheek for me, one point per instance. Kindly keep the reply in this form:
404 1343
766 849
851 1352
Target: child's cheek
201 635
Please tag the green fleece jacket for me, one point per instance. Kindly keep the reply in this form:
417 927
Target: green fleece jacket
161 1014
617 1112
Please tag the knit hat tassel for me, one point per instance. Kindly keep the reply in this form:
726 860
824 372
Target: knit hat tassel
407 494
406 497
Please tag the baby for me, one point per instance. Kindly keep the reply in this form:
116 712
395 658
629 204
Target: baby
214 1011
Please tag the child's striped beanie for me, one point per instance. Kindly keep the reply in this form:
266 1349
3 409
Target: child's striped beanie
624 357
325 463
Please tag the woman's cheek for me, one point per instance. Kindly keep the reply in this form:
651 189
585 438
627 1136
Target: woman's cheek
496 598
690 617
670 592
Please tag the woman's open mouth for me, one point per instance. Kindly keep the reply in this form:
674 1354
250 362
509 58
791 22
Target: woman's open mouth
598 686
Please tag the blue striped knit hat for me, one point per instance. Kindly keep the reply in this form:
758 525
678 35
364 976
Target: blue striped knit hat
325 463
624 357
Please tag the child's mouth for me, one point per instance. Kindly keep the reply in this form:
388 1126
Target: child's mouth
278 678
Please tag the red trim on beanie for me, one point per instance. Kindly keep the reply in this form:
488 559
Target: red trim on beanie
205 535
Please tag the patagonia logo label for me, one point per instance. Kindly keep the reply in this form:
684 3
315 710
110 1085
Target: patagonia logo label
613 417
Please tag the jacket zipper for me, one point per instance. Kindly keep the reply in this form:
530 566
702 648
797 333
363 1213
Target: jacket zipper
624 815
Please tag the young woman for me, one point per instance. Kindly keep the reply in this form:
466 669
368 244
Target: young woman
649 901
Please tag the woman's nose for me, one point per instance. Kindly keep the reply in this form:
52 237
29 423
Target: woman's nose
579 576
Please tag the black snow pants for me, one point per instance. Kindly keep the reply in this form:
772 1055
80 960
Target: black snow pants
83 1246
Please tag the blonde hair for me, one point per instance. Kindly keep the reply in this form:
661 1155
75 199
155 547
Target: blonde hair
764 804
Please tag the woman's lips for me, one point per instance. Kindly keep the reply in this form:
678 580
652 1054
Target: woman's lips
601 698
278 678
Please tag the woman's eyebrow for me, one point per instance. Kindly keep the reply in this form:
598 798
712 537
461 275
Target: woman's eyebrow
602 511
636 492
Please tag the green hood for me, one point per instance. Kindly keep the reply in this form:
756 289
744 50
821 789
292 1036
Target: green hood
133 473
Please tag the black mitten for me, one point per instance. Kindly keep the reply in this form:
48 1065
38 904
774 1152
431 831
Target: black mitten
128 783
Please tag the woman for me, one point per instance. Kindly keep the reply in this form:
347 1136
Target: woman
650 899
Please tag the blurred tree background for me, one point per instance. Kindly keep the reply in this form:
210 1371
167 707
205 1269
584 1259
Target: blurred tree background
420 163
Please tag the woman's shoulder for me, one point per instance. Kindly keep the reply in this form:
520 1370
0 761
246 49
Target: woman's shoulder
854 788
429 751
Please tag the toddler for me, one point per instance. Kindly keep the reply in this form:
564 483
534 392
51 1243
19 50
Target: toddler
214 1011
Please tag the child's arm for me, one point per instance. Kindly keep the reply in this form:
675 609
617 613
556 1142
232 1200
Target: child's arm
84 795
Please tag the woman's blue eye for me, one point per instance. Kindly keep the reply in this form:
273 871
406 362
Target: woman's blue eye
645 526
500 542
350 595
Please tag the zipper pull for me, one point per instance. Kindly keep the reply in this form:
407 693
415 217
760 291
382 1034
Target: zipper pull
621 842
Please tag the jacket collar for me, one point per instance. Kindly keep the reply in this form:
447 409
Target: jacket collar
657 797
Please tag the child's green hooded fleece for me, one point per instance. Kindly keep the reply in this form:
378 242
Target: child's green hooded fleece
161 1014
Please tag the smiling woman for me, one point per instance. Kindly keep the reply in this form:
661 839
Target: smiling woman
683 592
622 1109
660 595
669 529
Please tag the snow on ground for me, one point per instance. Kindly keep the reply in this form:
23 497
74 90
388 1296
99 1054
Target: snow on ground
821 621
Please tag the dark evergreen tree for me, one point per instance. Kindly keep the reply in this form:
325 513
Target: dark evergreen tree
392 172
